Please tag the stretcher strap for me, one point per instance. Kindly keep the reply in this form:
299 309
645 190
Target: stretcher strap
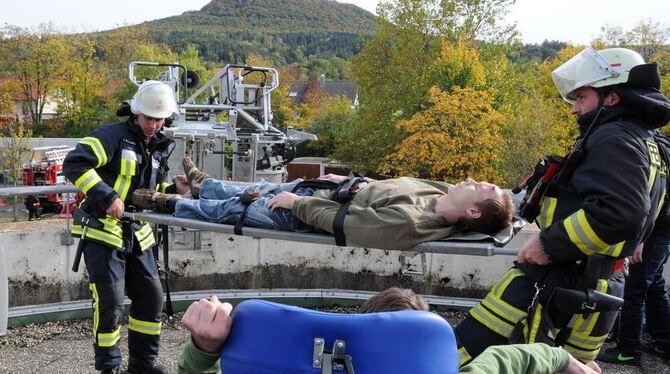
338 224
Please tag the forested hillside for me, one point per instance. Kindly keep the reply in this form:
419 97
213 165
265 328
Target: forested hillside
284 31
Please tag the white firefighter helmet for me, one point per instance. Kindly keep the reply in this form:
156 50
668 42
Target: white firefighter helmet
154 99
595 69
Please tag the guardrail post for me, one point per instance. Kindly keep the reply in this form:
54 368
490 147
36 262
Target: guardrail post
4 293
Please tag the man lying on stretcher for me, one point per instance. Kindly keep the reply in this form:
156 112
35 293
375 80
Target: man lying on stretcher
388 214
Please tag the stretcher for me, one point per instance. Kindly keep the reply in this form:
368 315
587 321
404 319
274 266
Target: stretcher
474 244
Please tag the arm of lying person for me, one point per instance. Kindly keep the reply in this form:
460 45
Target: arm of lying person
209 322
527 358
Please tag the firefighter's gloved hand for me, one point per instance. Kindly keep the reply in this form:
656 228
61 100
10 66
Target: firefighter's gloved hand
116 209
209 323
532 253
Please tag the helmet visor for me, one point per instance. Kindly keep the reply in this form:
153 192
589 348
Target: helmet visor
584 69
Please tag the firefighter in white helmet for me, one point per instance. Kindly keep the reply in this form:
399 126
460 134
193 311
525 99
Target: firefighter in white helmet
107 166
593 212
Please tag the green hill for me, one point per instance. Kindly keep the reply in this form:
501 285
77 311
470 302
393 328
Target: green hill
283 30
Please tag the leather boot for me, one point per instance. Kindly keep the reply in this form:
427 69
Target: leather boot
114 370
195 177
145 366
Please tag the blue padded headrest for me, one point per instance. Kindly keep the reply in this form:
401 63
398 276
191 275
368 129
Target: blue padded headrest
268 337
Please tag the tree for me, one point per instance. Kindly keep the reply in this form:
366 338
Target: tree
14 151
36 58
646 37
81 95
457 137
331 118
397 66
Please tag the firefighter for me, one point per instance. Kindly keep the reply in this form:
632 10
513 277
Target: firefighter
107 166
593 214
32 203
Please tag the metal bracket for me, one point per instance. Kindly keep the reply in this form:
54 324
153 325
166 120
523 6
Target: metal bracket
317 353
335 360
66 238
405 265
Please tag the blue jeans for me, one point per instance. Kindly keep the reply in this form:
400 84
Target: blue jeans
219 202
645 284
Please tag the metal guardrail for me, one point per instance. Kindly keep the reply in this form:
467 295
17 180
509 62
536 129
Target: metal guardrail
22 315
25 190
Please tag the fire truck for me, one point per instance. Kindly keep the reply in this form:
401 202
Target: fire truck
46 169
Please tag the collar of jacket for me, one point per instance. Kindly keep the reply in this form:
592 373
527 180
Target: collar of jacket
157 140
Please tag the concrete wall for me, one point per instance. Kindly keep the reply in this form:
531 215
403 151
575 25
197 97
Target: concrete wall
38 266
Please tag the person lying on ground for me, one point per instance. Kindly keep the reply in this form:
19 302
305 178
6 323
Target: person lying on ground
388 214
210 321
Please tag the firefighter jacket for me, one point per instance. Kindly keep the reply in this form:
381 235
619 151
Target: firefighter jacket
609 204
113 161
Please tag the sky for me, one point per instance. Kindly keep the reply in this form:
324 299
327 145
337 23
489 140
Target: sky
576 21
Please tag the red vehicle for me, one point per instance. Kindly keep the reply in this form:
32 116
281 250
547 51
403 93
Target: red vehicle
46 169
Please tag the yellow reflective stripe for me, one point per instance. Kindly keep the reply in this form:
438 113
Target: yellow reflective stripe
503 309
97 148
537 318
109 339
587 342
96 307
547 210
121 186
504 281
104 237
581 234
112 225
660 206
613 250
143 232
163 187
584 326
144 327
463 356
495 324
653 171
147 243
87 180
145 236
583 355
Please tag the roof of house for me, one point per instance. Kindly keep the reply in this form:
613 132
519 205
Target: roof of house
348 89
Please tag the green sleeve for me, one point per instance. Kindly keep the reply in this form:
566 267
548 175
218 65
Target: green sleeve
518 359
194 361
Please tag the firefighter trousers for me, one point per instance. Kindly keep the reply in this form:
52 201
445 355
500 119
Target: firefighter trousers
519 303
110 272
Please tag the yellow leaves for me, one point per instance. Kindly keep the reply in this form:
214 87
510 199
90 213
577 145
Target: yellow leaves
459 136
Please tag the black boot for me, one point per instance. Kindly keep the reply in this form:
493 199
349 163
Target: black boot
145 366
114 370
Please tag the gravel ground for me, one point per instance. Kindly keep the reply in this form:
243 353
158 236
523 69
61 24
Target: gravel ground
65 347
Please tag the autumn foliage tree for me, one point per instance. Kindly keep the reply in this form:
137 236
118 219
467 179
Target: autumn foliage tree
457 137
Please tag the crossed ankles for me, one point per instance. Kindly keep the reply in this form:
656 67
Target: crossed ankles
195 177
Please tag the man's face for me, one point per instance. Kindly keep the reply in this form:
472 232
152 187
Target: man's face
149 125
586 100
465 194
